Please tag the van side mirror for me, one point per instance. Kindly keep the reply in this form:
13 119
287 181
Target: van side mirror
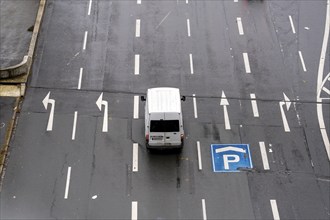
183 98
143 98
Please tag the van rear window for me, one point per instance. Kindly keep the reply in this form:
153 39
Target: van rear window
164 126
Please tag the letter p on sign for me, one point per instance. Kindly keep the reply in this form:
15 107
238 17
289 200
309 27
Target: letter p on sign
227 160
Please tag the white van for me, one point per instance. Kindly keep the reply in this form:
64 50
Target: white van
163 118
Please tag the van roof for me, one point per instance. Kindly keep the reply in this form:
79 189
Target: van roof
164 99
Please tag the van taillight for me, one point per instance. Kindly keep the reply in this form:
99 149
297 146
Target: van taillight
147 137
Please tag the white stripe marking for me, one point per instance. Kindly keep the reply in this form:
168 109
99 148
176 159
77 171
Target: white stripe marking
85 40
240 26
254 105
137 64
80 77
235 0
204 209
302 61
274 209
187 2
326 90
191 64
188 27
89 7
136 107
138 2
137 29
67 183
246 63
135 157
264 155
134 214
199 156
292 26
227 122
74 125
195 106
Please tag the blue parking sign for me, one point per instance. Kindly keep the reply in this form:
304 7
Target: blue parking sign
230 157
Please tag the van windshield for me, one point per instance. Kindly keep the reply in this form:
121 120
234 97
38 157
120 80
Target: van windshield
164 126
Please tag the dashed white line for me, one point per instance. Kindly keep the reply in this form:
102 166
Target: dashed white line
264 155
302 61
74 125
134 213
138 2
254 105
136 107
187 1
240 26
137 64
89 7
135 157
195 106
80 77
67 185
137 29
191 64
273 204
235 0
292 26
85 40
199 156
188 27
246 63
204 209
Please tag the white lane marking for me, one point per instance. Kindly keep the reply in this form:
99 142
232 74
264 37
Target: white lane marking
134 214
285 121
187 2
85 40
224 102
254 105
138 2
135 157
235 0
137 64
89 7
137 27
136 107
326 90
292 26
302 61
195 106
80 77
240 26
67 185
246 63
188 27
45 102
74 125
191 64
99 104
199 156
204 209
264 155
274 209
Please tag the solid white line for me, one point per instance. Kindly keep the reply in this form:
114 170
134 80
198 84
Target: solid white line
74 125
199 156
136 107
302 61
80 77
246 63
137 64
89 7
85 40
138 2
67 183
195 106
188 27
292 26
274 209
134 214
264 155
240 26
254 105
204 209
191 64
135 157
137 29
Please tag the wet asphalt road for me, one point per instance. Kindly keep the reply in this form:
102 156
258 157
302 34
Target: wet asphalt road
85 48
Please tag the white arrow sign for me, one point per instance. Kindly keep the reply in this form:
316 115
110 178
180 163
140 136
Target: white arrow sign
224 102
99 104
287 103
51 115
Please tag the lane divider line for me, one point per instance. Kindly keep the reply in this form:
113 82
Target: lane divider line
80 77
137 64
135 157
85 40
74 125
199 156
188 27
134 213
292 26
254 105
137 27
67 185
191 64
273 204
246 63
195 106
89 7
264 155
204 209
136 107
138 2
187 1
302 61
240 26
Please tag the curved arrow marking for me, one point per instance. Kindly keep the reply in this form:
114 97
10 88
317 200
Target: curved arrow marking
45 102
99 104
